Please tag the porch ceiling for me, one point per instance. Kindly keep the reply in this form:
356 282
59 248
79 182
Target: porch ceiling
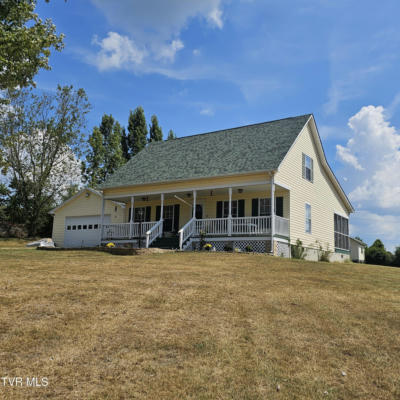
188 195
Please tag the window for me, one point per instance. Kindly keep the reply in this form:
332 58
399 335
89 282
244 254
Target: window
341 227
169 212
308 218
84 227
90 226
308 168
79 227
265 207
68 227
96 226
74 227
225 212
140 214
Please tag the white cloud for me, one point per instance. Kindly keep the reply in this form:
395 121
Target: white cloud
345 155
215 17
117 51
168 51
374 145
196 52
208 111
153 29
370 226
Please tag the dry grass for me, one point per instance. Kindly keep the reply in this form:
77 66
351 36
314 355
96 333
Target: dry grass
11 243
197 326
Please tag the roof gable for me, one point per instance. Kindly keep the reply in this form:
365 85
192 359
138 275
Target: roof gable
322 157
84 190
251 148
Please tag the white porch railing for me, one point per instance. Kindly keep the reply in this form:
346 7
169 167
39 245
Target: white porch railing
115 231
155 232
211 226
251 225
125 231
281 226
241 226
186 232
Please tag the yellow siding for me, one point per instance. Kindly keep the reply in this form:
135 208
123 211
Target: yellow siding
320 194
185 185
83 206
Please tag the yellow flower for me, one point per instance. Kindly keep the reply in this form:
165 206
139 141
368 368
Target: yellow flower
110 245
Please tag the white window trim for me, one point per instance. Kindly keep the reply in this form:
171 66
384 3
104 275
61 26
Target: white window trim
305 218
304 173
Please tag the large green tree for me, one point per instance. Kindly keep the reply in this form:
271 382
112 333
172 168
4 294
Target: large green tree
396 258
41 137
114 157
377 254
93 167
105 153
25 43
125 145
156 134
137 131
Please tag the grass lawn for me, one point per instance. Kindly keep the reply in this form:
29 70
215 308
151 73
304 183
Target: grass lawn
197 326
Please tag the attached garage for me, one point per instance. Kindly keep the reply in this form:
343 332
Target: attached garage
77 221
83 231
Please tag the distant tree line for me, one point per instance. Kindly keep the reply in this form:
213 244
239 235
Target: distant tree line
377 254
110 145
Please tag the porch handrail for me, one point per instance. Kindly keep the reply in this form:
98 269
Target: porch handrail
153 233
186 232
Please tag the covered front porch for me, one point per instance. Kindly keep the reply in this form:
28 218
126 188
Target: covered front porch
244 210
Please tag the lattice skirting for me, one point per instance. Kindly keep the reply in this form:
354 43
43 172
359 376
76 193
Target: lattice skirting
282 249
257 246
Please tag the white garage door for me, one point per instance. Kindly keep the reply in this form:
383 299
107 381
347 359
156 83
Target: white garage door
83 231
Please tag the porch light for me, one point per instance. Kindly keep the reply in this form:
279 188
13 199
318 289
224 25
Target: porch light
211 193
240 190
145 199
189 195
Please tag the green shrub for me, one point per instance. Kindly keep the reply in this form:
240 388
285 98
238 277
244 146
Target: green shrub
248 248
228 247
298 251
323 255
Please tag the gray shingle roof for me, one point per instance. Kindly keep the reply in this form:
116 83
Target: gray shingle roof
258 147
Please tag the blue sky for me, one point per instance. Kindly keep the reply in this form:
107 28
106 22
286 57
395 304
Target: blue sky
214 64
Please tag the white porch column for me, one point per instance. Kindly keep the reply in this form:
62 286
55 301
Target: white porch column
230 213
102 219
272 213
194 203
162 207
131 219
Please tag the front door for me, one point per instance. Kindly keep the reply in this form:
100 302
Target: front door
199 211
168 218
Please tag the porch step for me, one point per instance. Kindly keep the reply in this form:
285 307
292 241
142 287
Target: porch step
166 243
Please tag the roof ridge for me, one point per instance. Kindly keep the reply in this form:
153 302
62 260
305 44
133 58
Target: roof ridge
231 129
